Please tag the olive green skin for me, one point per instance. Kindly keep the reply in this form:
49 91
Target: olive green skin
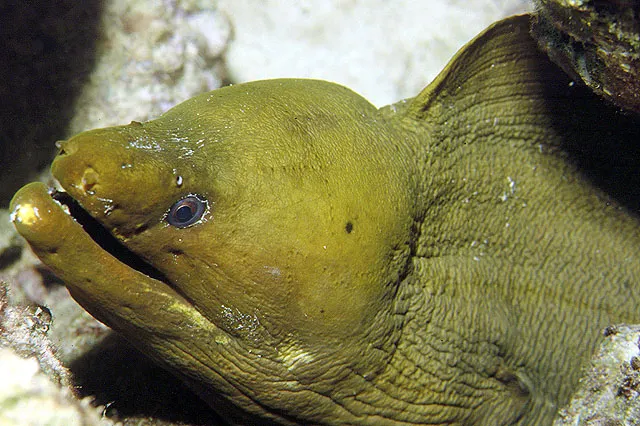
436 261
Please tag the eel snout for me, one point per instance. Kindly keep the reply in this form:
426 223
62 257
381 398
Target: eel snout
95 267
36 212
39 218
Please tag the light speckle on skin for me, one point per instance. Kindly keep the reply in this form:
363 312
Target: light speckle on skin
107 205
65 208
240 321
512 189
105 200
26 214
198 323
273 270
222 339
186 153
291 356
178 139
145 144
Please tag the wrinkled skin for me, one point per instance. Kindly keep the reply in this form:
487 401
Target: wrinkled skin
441 260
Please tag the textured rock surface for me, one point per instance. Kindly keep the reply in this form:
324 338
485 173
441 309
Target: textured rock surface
609 394
36 387
28 397
597 42
151 56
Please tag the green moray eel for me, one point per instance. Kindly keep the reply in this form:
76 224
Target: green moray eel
311 259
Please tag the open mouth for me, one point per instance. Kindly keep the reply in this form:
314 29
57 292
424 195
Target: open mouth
104 239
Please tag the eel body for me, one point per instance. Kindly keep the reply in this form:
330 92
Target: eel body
297 255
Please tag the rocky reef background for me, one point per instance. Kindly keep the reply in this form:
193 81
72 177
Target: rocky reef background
597 43
68 66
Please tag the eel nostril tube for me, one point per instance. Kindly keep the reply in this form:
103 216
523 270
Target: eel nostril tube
89 180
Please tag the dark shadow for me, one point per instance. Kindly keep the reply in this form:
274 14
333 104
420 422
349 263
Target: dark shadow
603 141
132 386
47 49
600 138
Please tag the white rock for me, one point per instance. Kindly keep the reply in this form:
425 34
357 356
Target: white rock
609 393
384 50
153 54
29 398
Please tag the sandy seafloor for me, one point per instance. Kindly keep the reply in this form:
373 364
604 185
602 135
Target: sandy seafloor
118 61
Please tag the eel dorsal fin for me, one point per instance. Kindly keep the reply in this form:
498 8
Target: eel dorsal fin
494 72
500 88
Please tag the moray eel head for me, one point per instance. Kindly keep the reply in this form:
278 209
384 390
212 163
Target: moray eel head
264 224
299 256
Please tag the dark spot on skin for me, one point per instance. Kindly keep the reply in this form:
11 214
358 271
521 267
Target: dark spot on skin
322 311
348 227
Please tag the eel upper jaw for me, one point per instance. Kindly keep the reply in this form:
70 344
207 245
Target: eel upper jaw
105 239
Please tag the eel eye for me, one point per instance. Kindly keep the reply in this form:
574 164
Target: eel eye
187 211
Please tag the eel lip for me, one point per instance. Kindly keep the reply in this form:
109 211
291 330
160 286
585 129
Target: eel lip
104 238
